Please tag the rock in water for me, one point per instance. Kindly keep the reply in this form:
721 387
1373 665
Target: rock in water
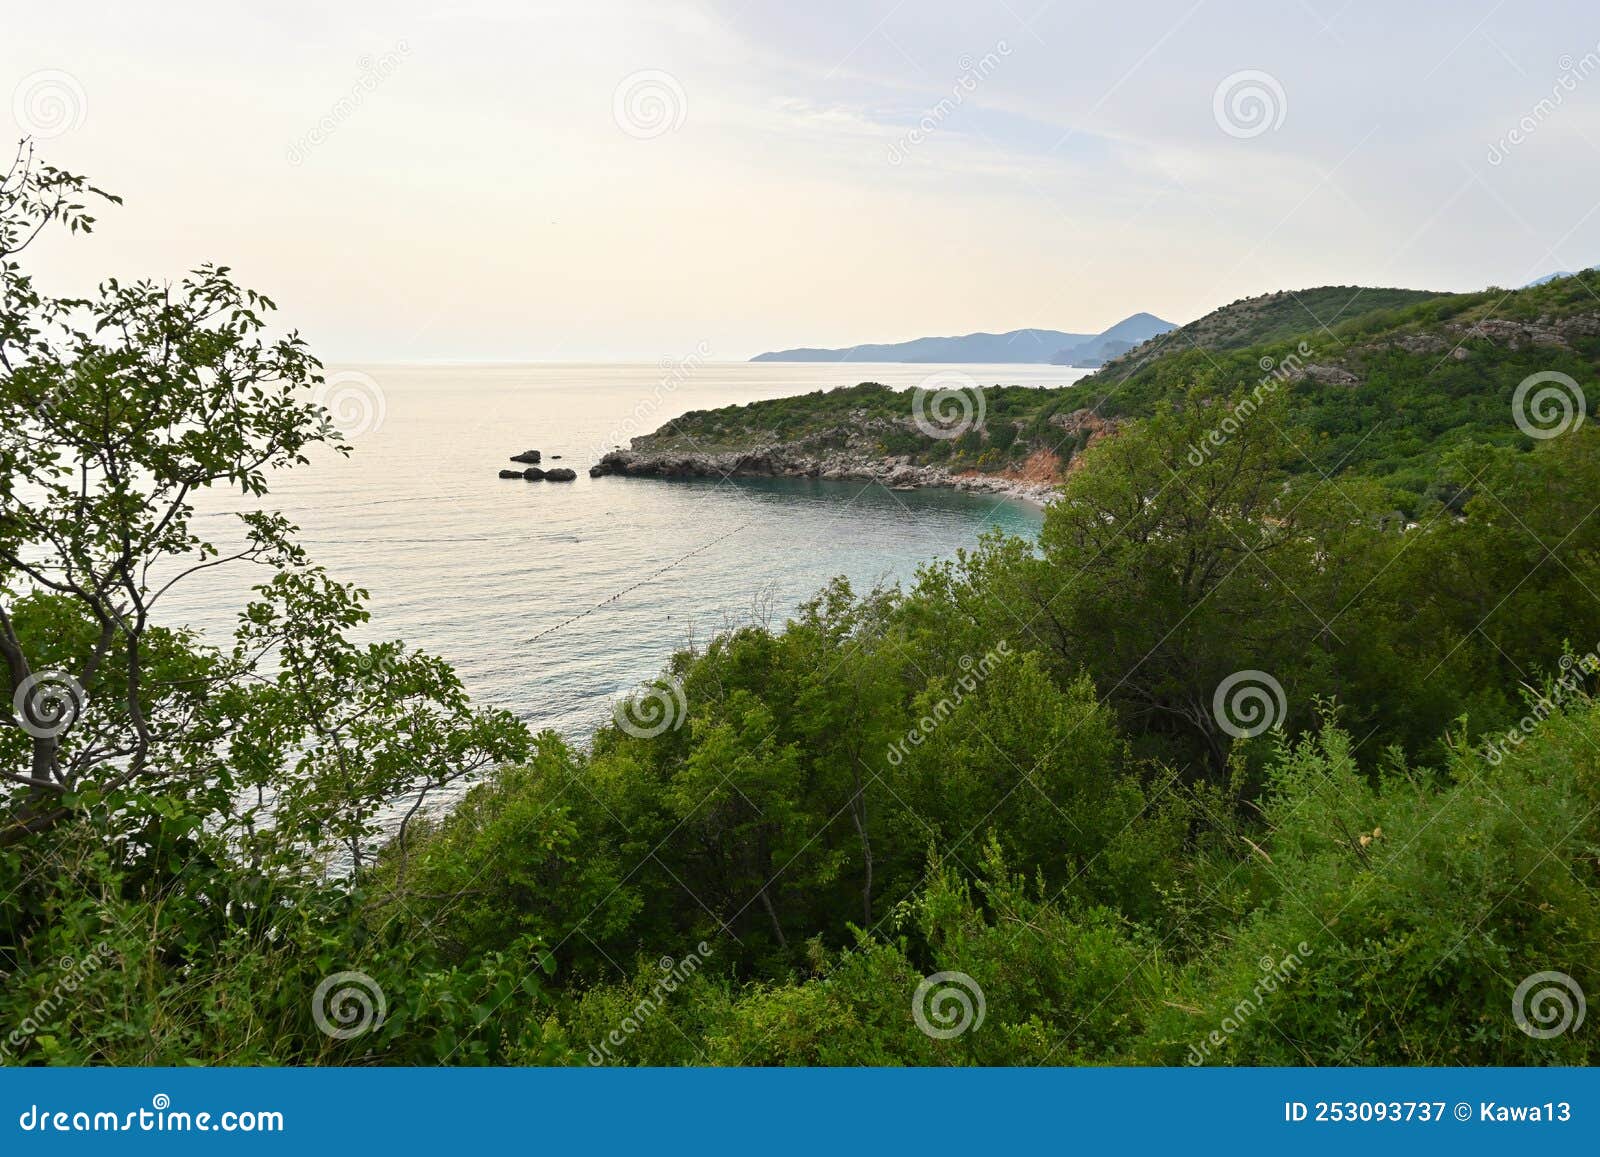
511 474
533 474
560 474
526 456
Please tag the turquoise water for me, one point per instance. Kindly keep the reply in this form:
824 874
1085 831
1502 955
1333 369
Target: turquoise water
553 599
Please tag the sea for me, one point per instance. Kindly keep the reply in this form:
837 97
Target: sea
554 600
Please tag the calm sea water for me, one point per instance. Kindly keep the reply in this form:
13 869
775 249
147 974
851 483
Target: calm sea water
553 599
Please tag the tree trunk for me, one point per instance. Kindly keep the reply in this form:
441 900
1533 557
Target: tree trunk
858 813
777 929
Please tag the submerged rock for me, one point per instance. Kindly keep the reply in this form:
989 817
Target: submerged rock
526 456
511 474
533 474
560 474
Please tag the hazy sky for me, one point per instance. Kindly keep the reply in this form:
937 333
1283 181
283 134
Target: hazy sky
601 179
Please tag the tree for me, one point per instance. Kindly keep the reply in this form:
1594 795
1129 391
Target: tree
1186 551
847 701
116 411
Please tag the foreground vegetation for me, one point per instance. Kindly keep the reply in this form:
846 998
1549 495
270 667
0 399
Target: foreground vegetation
1025 772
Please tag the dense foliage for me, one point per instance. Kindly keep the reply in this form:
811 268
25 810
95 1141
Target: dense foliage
1391 392
1384 383
963 425
1271 319
1017 777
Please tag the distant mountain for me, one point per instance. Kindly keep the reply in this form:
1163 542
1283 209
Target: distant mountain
1037 346
1118 340
1552 276
1020 345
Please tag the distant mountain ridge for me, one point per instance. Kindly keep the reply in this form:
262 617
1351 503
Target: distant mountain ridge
1127 334
1549 277
1036 346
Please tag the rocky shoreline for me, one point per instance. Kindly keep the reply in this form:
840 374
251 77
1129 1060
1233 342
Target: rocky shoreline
1035 485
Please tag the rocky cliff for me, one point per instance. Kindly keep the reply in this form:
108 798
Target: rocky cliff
1023 458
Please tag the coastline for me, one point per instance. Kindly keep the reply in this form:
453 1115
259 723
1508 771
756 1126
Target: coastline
896 472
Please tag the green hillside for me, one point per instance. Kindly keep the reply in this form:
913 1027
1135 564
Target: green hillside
956 431
1385 383
1388 393
1272 317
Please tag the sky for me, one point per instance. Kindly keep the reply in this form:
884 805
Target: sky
482 181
